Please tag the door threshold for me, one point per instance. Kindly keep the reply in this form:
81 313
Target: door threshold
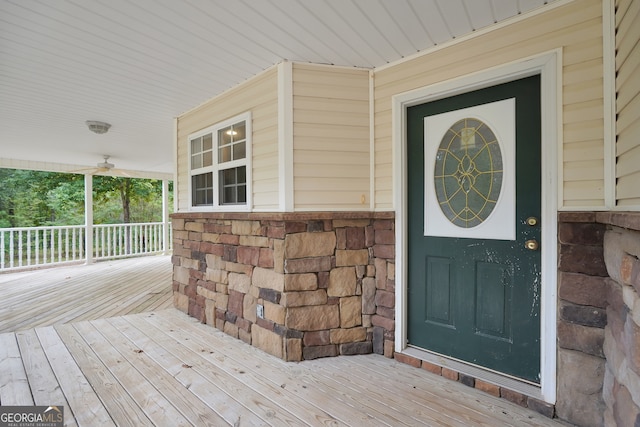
493 377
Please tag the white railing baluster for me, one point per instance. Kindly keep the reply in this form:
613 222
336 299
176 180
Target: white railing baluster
102 244
66 244
44 246
59 245
11 247
52 249
19 248
3 249
29 247
117 241
108 230
81 248
154 229
134 240
73 244
130 233
34 246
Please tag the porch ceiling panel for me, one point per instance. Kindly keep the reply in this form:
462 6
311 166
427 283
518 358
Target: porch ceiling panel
138 64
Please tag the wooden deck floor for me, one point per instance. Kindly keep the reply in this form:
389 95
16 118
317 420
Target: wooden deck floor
57 295
166 369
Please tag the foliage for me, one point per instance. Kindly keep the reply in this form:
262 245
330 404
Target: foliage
35 198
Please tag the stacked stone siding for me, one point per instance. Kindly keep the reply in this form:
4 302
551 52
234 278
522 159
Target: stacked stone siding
622 334
325 280
582 292
599 319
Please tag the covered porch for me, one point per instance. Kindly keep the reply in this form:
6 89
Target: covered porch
125 357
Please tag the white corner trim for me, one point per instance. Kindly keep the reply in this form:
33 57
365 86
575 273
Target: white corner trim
609 101
372 141
285 136
559 116
548 66
176 169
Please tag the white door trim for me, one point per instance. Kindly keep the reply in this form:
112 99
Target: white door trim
548 66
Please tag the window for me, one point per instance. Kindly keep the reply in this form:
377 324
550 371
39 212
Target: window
220 164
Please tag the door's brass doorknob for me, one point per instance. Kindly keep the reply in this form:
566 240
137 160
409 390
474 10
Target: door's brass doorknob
532 245
532 221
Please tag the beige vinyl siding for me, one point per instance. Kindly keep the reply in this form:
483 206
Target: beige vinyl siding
575 27
628 103
260 96
330 138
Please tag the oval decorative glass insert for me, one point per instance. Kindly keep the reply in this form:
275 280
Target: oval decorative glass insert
468 173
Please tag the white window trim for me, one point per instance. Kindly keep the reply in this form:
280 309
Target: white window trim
215 168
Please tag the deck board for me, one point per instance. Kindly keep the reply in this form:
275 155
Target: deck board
193 411
152 403
43 383
14 385
113 394
60 295
165 368
205 355
235 384
83 401
203 385
104 342
276 373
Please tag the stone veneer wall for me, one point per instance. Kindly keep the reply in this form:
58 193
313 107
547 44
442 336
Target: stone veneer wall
582 297
599 318
622 334
325 280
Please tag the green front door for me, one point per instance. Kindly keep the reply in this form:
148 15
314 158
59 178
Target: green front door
474 268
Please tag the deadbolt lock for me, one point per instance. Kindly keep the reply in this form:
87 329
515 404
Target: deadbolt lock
532 245
532 221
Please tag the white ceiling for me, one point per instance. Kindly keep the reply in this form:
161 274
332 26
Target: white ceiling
137 64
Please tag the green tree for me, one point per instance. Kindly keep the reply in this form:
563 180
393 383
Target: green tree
140 199
35 198
29 199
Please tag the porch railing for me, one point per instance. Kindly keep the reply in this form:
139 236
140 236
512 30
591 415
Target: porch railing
25 247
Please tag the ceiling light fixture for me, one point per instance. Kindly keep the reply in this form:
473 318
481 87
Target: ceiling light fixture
98 127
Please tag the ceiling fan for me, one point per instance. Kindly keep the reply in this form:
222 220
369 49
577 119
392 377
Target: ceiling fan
104 168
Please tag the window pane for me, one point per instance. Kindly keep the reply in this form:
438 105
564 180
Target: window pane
241 131
229 195
207 158
196 145
202 189
207 142
196 161
239 151
229 176
224 154
225 136
232 186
